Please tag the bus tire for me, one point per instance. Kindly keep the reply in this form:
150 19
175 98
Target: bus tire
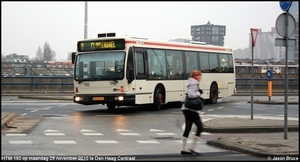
214 94
158 99
111 106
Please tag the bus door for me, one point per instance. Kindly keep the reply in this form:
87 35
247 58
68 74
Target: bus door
140 76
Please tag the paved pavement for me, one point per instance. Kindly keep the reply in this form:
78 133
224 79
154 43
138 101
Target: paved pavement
262 144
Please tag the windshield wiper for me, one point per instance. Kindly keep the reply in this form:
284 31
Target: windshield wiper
81 80
97 77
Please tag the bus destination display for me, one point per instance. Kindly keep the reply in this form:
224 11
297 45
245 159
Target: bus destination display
98 45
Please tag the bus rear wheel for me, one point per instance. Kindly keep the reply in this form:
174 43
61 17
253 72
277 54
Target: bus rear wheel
158 99
213 95
111 106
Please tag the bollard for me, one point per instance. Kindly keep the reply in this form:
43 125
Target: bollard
269 89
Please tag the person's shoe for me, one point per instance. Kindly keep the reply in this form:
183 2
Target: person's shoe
186 152
194 152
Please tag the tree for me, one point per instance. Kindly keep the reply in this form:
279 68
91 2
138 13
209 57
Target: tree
39 54
48 54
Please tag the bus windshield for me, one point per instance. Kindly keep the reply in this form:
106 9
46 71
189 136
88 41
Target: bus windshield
99 66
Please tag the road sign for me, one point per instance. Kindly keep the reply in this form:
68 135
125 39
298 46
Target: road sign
269 74
254 33
283 42
285 5
285 24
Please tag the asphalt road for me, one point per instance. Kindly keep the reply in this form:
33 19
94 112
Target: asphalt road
129 131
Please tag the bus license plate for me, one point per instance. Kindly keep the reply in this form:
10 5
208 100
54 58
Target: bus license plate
98 98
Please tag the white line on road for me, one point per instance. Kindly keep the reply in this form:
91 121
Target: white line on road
146 141
106 141
65 142
92 134
20 142
54 134
166 134
130 134
22 134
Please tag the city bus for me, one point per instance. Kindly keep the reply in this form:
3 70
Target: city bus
118 70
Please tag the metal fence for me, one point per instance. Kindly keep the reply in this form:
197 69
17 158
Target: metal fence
65 83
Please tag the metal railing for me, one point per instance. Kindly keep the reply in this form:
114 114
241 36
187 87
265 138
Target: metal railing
33 82
60 83
246 83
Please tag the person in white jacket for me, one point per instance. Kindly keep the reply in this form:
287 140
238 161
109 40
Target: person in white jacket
192 116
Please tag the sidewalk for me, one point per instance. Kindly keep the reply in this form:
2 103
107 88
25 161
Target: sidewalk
265 145
261 145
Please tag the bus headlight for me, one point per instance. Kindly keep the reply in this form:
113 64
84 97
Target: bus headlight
77 98
120 98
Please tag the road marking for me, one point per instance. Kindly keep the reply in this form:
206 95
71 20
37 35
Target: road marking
51 130
92 134
205 133
146 141
123 130
20 142
87 130
130 134
156 130
166 134
106 141
54 134
16 134
65 142
190 141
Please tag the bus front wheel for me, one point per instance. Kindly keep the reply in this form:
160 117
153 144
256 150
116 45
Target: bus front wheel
111 106
213 95
158 99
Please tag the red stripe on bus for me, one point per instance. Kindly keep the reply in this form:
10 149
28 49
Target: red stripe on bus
130 41
178 46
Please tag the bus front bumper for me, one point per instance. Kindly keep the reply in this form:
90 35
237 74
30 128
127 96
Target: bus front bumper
103 99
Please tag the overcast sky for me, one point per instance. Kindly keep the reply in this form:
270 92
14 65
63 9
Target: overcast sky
27 25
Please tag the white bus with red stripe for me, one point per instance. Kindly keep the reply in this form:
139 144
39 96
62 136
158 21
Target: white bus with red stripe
118 70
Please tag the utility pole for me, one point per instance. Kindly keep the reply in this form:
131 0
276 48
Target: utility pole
85 20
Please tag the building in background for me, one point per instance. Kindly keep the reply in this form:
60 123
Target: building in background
265 46
209 33
16 58
294 11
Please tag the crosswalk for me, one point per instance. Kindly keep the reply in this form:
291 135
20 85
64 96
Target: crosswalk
55 136
93 133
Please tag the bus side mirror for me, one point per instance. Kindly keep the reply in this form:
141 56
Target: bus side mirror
131 76
73 57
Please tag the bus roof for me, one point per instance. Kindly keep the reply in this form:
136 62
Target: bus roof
144 42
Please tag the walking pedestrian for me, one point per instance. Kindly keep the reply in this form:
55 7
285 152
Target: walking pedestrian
192 116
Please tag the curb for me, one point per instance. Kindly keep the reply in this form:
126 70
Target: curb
250 129
248 150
